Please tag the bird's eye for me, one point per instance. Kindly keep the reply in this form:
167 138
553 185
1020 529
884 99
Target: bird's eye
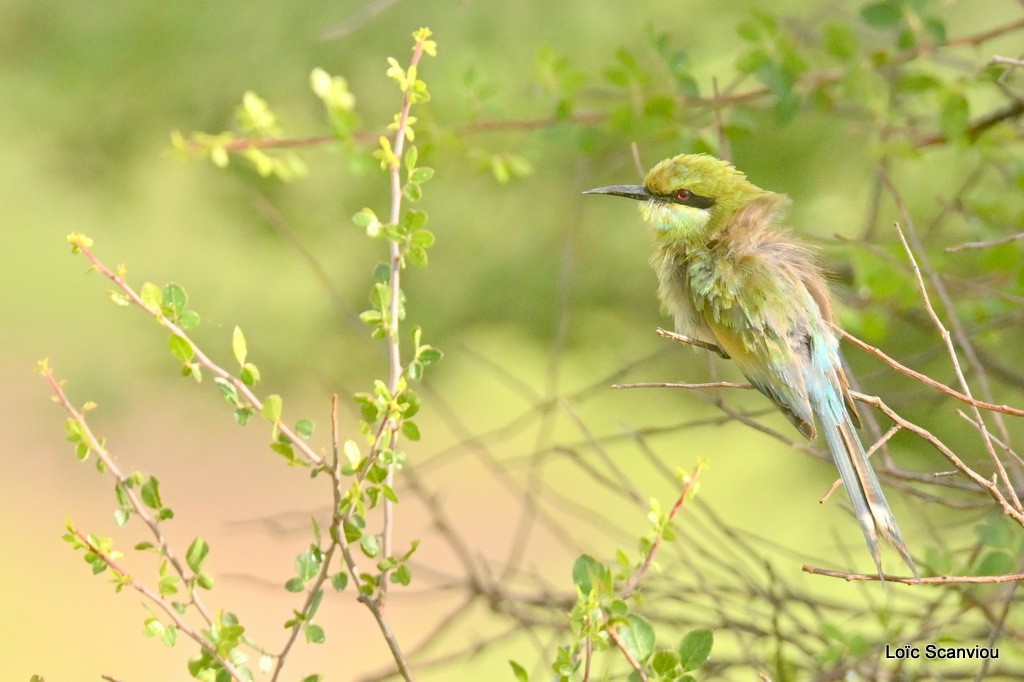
682 195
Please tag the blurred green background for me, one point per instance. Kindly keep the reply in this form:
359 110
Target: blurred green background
532 291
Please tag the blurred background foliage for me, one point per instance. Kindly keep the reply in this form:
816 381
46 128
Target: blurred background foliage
539 299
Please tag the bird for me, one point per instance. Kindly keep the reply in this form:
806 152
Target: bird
733 277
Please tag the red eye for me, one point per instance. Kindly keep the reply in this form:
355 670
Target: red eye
682 194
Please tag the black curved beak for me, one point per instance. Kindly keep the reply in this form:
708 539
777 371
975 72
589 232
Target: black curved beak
629 191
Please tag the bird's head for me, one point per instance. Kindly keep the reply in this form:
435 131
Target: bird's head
687 198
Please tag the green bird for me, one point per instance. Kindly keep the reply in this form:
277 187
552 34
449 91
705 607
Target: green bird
730 275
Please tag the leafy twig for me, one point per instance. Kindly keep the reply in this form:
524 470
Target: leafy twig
81 244
634 580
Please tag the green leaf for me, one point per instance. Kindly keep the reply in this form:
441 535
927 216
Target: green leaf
370 544
175 299
196 555
151 493
638 637
936 28
414 219
665 663
151 295
308 563
421 174
227 390
272 407
841 41
181 348
188 320
368 220
996 563
881 14
955 115
411 157
752 61
412 192
402 575
250 374
424 239
994 532
304 427
586 571
287 451
519 671
295 585
339 581
429 356
238 346
315 634
695 648
417 256
749 31
410 430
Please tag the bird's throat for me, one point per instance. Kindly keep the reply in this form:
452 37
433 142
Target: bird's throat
674 221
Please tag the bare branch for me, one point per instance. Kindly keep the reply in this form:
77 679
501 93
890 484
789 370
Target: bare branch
925 379
693 342
985 244
911 580
665 384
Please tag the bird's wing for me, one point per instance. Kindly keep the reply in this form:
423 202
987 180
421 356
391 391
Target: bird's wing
762 314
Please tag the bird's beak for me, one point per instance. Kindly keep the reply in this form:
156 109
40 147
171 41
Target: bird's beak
631 191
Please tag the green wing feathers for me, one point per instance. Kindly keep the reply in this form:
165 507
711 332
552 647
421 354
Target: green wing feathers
763 299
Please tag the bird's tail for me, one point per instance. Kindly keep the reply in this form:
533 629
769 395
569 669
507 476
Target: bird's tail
865 492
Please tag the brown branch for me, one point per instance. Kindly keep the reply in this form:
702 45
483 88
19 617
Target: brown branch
911 580
164 605
138 507
634 580
985 244
614 636
991 488
200 357
977 127
664 384
948 340
693 342
984 36
999 59
925 379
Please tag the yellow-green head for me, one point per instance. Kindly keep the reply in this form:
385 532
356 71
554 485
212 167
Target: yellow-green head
687 198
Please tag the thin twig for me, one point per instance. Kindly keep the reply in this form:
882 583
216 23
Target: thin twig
999 59
199 356
947 338
985 244
693 342
991 488
138 507
925 379
614 636
667 384
911 580
634 580
164 605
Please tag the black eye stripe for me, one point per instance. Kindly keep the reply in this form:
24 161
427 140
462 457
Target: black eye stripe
688 198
